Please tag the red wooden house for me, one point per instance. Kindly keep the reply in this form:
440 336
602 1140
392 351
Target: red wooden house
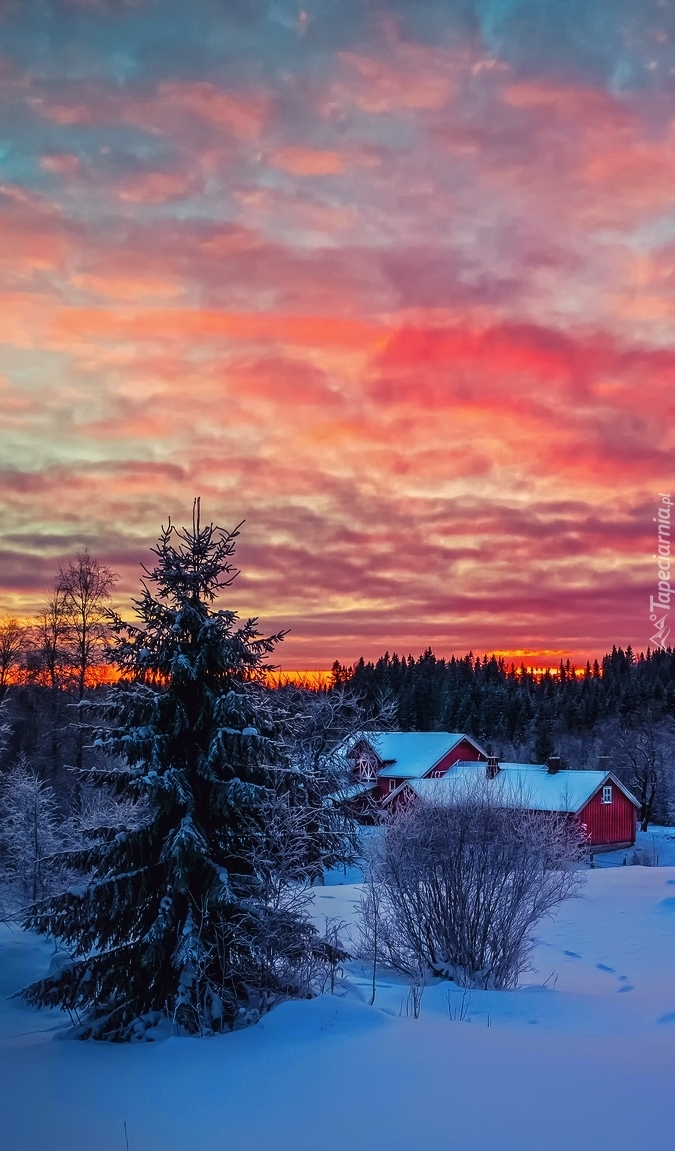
601 803
610 815
382 760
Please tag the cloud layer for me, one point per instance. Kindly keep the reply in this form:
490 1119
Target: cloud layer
394 283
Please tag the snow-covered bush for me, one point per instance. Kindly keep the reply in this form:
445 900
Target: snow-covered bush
457 889
100 811
32 835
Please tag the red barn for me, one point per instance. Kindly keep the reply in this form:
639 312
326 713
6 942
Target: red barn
383 760
601 803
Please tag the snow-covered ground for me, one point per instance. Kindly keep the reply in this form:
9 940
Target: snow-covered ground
582 1056
655 847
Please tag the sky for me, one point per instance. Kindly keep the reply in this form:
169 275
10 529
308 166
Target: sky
393 281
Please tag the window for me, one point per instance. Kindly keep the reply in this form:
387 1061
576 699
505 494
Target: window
607 794
366 765
392 785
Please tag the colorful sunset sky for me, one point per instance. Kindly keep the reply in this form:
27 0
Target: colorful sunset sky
392 281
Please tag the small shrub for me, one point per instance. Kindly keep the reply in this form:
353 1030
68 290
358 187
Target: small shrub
458 889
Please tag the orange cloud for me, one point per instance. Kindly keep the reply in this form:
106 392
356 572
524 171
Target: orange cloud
188 324
13 405
126 287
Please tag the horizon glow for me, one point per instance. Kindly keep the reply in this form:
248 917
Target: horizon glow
394 283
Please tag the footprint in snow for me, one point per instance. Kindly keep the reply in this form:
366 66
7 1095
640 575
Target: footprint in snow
670 883
572 954
604 967
626 987
670 1017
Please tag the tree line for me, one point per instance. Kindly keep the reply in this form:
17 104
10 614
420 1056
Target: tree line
67 638
53 664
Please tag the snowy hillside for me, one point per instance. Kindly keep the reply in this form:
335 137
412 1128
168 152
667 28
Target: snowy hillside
580 1057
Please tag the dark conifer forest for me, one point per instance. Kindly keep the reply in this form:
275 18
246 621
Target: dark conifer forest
491 699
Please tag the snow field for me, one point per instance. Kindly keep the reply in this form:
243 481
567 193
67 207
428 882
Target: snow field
581 1056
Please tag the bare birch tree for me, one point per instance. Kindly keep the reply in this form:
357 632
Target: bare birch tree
51 667
645 762
85 587
12 644
50 633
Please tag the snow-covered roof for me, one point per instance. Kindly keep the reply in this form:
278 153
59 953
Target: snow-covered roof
353 790
527 785
411 754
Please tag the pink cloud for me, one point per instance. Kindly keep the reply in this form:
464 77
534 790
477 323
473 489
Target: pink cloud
66 114
170 109
274 210
154 188
63 163
242 114
307 161
418 80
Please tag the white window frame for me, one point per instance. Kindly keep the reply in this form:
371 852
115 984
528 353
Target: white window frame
366 766
607 796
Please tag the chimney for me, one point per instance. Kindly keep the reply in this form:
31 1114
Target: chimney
603 762
492 768
553 763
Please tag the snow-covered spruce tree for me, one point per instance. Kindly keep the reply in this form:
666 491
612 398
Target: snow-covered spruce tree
174 915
